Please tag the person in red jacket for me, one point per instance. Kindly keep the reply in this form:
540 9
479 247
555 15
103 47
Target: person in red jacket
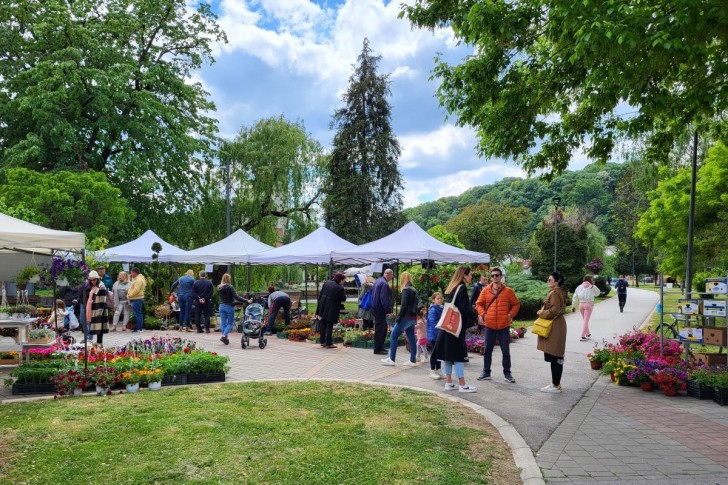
497 306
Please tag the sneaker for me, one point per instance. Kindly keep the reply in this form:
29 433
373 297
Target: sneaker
509 379
449 386
485 376
388 362
409 363
584 339
551 389
442 374
467 388
435 375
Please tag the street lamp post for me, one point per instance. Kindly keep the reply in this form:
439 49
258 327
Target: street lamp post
556 201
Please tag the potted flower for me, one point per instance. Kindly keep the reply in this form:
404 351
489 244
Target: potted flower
65 272
41 336
598 357
104 377
29 274
720 386
70 382
8 358
131 378
206 367
670 379
641 375
700 383
152 378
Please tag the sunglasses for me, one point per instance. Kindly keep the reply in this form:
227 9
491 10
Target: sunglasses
495 275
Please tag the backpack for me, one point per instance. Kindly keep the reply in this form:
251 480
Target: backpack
366 301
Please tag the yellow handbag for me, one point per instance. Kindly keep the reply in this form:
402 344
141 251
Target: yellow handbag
542 327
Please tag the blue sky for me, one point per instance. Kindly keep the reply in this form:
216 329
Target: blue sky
294 57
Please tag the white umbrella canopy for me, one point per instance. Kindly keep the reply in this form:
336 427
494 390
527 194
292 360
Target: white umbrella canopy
316 248
139 250
410 243
237 248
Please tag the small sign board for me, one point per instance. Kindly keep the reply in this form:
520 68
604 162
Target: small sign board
694 335
716 286
714 308
688 306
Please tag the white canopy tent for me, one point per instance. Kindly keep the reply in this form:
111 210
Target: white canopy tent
316 248
410 243
21 242
139 250
237 248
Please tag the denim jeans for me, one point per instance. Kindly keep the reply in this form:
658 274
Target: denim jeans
459 368
405 325
280 302
136 308
227 316
504 339
185 310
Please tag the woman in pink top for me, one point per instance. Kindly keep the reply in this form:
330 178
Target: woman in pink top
584 298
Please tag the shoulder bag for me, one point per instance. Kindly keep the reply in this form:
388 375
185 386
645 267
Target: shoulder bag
451 321
542 326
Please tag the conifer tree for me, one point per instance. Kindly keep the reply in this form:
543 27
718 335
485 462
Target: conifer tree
363 199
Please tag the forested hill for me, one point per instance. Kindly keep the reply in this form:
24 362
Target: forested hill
591 190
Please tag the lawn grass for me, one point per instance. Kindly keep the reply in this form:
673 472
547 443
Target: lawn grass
299 432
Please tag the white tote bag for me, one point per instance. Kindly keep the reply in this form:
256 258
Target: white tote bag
451 321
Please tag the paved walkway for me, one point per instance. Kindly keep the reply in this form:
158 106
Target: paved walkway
593 432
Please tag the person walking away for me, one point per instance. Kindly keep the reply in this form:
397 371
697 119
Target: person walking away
451 350
621 287
406 320
202 296
136 298
184 296
497 306
584 299
366 315
330 303
421 335
554 347
228 297
120 290
278 299
96 309
433 316
381 308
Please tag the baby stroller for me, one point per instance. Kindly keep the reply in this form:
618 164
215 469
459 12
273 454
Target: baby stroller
252 326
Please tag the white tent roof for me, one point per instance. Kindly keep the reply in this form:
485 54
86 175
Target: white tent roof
17 235
139 250
315 248
409 243
234 249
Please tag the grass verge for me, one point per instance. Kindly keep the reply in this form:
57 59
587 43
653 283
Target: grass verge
300 432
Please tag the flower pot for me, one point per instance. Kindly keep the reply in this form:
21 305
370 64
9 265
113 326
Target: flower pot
595 364
77 392
611 376
132 388
102 391
720 396
62 281
44 340
670 391
699 391
34 279
41 388
646 386
204 378
175 380
155 386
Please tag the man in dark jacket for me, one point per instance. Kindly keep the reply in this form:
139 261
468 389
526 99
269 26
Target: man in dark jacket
381 307
621 287
330 303
202 299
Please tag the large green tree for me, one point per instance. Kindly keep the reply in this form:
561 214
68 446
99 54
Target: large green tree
363 188
548 77
105 85
492 228
69 201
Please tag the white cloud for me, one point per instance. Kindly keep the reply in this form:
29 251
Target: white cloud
439 143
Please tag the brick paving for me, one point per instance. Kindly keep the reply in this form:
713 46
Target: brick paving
595 432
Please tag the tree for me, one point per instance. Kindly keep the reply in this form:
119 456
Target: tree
363 199
441 234
492 228
572 250
68 201
662 227
547 78
104 85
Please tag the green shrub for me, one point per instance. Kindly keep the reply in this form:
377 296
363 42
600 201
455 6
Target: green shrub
530 292
602 284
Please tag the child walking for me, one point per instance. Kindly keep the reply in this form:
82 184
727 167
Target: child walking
433 316
421 335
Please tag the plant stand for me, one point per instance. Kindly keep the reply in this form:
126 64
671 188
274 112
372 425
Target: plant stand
699 391
41 388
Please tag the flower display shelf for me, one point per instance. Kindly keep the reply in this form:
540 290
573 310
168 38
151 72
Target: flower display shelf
205 378
40 341
176 380
41 388
700 391
14 361
720 396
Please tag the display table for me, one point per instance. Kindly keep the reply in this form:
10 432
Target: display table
20 342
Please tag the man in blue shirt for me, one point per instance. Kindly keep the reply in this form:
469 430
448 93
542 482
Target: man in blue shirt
277 299
381 307
184 296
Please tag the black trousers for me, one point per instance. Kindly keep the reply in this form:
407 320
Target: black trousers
326 329
380 330
203 310
622 297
